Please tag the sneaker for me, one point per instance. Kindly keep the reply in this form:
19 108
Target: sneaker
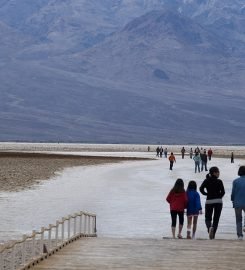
211 233
180 236
240 238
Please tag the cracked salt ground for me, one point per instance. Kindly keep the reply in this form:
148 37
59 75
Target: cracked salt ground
128 198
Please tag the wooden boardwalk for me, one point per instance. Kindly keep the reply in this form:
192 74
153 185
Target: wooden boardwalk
121 253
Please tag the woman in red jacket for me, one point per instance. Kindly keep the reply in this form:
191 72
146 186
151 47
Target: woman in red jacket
177 199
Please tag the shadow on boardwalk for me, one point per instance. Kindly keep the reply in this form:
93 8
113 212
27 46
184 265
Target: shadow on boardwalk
122 253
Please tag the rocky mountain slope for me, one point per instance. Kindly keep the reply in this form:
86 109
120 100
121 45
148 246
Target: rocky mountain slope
122 71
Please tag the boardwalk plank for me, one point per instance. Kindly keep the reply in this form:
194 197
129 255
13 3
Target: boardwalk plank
117 253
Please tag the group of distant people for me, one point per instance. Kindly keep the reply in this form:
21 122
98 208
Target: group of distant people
199 155
160 152
212 187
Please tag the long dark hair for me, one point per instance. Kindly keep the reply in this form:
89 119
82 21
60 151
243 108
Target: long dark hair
178 186
241 171
192 185
212 171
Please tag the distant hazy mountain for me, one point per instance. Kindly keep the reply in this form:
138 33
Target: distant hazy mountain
143 71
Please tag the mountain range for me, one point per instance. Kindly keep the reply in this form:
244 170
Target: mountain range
125 71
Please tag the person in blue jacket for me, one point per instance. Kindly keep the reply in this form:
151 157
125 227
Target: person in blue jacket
197 159
238 199
194 208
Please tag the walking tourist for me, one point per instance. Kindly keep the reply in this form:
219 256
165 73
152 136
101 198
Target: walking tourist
232 157
194 208
177 200
238 199
204 160
171 161
210 153
213 188
191 153
197 160
161 151
183 152
157 151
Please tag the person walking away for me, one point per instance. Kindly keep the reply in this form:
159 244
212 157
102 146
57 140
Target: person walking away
183 152
232 157
210 153
165 152
238 200
213 188
171 161
197 160
194 208
204 160
191 153
177 199
158 151
161 151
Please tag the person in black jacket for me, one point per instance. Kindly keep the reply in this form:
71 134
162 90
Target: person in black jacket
213 188
204 160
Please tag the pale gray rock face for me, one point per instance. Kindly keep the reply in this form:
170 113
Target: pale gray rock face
169 71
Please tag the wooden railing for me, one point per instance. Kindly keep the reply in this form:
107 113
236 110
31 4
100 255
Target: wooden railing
34 248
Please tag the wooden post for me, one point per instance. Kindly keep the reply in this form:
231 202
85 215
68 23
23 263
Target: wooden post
41 241
33 252
80 222
95 225
69 227
49 237
75 225
85 223
56 233
62 230
23 250
89 224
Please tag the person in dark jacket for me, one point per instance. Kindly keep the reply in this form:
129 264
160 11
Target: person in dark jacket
213 188
204 161
210 153
183 152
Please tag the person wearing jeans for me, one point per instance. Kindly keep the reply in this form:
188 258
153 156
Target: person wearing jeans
238 199
204 160
213 188
197 160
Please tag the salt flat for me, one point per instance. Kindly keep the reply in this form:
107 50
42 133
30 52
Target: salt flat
128 198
